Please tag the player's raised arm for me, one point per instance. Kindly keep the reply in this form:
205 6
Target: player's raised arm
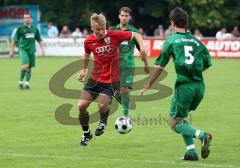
143 53
82 73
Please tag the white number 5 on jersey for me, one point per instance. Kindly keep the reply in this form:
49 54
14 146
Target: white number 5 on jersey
188 55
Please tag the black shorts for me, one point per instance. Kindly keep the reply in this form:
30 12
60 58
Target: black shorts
98 87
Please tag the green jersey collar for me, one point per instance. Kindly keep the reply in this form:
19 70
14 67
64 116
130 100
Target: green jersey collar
118 27
183 33
27 26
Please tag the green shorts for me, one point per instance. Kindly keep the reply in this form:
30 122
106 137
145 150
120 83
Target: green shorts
186 97
27 58
127 74
126 62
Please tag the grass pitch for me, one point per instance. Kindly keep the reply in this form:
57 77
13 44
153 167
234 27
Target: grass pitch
31 136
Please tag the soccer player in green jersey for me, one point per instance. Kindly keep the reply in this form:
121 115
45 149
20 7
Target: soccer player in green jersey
25 37
127 60
190 59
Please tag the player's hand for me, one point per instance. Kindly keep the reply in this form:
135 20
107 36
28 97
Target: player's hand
146 69
144 89
11 53
143 54
43 52
81 75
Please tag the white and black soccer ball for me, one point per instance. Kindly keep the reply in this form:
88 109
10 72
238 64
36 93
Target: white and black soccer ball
123 125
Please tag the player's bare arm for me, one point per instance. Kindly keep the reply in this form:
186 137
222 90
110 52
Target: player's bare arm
42 47
11 52
143 53
152 78
139 39
82 73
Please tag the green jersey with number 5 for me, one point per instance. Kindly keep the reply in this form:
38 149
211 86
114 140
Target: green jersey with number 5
190 57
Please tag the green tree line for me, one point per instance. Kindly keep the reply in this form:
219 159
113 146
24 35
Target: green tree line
207 15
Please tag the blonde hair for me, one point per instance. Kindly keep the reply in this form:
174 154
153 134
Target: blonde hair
98 18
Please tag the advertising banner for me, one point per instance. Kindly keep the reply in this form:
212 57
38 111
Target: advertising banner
217 48
12 16
63 46
75 47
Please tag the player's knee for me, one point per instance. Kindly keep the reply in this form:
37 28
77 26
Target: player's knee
82 106
25 67
173 122
103 106
124 90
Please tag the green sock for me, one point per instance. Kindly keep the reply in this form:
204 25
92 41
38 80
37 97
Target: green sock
118 98
189 141
202 135
125 103
28 76
22 74
186 129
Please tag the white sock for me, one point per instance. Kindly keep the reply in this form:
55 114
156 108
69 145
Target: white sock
88 131
20 82
189 147
197 134
27 83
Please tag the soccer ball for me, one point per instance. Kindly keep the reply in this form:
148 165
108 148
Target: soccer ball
123 125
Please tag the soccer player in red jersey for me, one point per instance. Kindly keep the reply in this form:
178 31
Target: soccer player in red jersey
105 76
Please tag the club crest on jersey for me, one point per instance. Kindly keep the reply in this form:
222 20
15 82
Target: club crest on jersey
107 40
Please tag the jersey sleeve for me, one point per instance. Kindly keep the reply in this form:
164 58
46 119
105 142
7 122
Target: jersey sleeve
111 28
38 37
165 55
124 35
206 58
86 48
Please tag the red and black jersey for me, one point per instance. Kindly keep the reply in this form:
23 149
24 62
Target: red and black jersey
106 54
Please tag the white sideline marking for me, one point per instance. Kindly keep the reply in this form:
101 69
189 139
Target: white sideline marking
114 159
